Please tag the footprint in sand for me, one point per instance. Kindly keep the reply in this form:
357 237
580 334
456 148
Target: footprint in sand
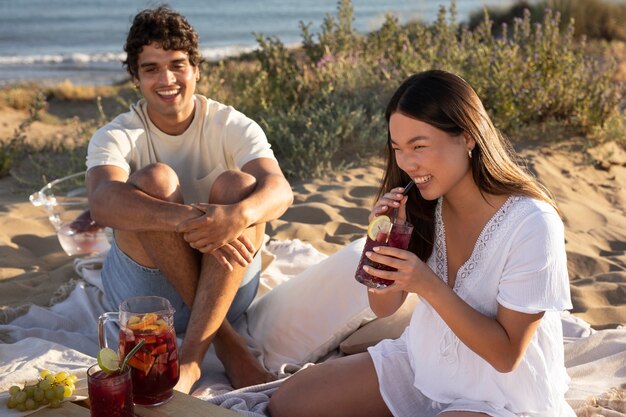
356 215
342 228
309 213
364 191
580 265
330 187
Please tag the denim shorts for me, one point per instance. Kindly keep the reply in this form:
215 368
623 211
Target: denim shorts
123 278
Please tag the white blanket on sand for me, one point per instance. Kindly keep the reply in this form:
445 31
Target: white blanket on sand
64 336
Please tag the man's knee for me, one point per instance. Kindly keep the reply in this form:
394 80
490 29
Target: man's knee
231 187
159 181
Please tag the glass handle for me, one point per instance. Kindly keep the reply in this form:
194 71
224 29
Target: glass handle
102 321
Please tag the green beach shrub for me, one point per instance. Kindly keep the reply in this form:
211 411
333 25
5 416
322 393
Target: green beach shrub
538 73
33 164
14 148
595 19
322 105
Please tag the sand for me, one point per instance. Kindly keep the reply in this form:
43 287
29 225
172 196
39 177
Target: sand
330 212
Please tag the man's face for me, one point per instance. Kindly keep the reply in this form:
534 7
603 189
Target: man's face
167 81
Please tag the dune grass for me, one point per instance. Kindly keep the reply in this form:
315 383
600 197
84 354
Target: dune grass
322 105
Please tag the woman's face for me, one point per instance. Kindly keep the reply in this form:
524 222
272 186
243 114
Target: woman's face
437 162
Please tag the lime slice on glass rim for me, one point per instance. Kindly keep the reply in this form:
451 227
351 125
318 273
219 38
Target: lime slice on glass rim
378 223
108 360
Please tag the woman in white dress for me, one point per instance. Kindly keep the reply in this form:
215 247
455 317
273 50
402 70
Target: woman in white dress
487 260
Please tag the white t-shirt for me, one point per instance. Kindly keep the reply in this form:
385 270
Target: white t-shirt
219 138
519 262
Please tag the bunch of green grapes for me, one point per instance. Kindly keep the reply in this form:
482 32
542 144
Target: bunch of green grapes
50 390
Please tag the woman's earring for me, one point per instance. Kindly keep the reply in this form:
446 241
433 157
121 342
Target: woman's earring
469 152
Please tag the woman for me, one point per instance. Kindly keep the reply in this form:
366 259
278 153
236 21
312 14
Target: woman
487 259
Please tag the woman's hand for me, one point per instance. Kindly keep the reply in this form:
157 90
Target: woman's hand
394 199
411 275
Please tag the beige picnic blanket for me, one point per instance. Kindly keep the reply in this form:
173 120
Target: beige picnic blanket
64 336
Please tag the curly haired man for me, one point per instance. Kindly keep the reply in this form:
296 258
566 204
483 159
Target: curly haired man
187 184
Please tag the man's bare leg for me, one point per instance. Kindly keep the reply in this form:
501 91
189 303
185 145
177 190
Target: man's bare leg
242 368
214 296
166 251
182 264
215 292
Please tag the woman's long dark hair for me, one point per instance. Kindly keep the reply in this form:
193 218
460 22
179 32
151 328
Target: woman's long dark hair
449 103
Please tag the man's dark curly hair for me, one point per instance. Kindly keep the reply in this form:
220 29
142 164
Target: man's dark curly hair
165 27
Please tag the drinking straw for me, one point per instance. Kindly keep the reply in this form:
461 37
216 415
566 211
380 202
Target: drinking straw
394 215
407 188
131 353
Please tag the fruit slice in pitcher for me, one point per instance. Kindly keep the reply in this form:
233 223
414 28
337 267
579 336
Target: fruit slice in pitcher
149 322
142 361
136 322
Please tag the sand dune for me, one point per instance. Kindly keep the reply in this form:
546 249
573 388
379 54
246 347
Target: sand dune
589 187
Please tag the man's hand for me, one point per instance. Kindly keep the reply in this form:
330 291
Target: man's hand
219 231
240 251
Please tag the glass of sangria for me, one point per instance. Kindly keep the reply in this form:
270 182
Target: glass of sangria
155 366
382 232
110 394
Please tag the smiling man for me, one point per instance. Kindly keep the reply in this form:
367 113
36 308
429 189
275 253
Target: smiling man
187 184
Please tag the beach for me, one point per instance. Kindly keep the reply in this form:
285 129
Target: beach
559 98
586 179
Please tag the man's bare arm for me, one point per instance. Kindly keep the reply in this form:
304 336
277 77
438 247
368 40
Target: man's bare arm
271 197
115 203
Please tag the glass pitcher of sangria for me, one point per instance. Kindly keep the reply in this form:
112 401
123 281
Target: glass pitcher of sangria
155 367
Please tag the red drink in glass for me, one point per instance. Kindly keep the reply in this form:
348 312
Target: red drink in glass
398 237
110 395
155 366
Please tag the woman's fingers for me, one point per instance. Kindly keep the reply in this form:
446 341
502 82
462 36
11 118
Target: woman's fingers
379 273
402 209
391 199
384 260
393 252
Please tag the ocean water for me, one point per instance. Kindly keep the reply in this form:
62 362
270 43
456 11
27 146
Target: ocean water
53 40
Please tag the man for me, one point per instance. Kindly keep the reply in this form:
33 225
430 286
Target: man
187 184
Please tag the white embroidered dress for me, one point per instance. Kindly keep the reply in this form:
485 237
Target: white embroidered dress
518 262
